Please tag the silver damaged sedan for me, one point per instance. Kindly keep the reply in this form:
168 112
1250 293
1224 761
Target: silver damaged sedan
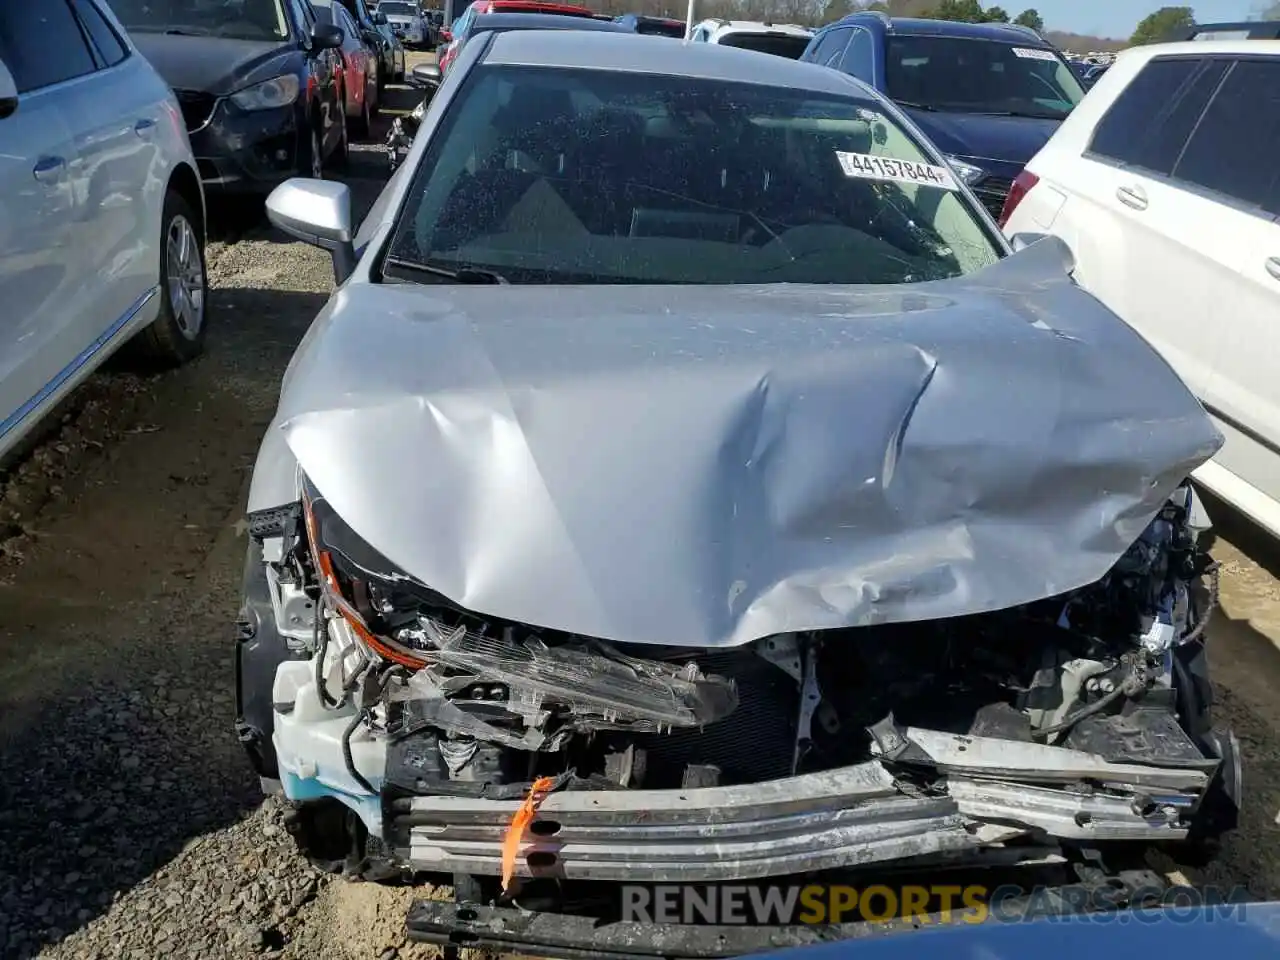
687 484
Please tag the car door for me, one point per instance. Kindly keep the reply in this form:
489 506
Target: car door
1231 161
118 173
1139 236
43 327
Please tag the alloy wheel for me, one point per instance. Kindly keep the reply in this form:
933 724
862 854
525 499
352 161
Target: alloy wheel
186 279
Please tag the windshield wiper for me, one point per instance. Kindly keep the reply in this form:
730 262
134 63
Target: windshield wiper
1015 113
462 275
916 106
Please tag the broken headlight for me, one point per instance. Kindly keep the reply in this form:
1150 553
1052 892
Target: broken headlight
530 673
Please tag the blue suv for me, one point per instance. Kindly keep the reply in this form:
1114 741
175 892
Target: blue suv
989 95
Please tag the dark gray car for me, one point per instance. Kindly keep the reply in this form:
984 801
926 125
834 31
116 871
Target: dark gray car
684 453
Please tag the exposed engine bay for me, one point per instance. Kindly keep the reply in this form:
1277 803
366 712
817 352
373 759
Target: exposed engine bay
1082 717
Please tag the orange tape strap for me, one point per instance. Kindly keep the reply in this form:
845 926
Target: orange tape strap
519 824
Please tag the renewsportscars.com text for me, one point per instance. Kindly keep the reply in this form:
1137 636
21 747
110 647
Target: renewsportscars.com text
940 903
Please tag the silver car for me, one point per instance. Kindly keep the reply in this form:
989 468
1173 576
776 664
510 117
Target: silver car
406 21
686 483
101 209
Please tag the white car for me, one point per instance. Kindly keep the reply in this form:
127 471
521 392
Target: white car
783 39
406 20
101 209
1165 184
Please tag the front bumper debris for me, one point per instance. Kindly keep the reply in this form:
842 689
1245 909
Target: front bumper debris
993 791
572 936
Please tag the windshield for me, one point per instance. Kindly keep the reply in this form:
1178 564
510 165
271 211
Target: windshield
779 44
232 19
392 8
980 76
541 175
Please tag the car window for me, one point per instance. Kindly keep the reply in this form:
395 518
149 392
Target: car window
859 54
831 42
307 15
587 176
1235 146
108 46
41 44
778 44
1149 123
348 25
230 19
965 75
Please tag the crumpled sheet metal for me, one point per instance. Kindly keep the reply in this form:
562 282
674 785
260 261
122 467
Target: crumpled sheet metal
708 466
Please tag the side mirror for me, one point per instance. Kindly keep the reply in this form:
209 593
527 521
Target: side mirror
325 36
425 75
446 36
1020 241
380 18
317 212
8 92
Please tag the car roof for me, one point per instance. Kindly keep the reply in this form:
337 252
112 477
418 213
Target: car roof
627 52
543 21
755 26
1202 48
533 6
925 27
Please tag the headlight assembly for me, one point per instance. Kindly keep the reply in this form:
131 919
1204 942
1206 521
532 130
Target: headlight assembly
966 171
276 92
346 567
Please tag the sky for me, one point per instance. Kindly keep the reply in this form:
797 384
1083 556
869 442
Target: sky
1117 18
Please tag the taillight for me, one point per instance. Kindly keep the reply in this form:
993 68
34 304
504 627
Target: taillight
1022 185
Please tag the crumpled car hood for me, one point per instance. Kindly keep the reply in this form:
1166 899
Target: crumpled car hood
705 466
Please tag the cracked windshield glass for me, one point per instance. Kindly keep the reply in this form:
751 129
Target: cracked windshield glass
232 19
583 176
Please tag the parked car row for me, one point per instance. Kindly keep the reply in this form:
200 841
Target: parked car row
117 120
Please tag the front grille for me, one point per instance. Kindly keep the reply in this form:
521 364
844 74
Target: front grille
992 192
196 107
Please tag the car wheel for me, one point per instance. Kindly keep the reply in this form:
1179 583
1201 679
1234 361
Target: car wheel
177 334
342 152
361 124
311 163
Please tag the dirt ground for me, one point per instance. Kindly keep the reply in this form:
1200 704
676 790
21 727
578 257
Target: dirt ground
130 821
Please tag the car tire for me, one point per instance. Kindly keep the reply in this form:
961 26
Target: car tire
341 155
373 97
311 155
177 335
361 124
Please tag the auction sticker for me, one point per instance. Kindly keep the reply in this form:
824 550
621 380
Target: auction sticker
867 167
1031 53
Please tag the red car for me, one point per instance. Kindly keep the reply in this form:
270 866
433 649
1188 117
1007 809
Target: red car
357 74
457 35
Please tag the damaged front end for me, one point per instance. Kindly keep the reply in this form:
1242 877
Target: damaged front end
1073 720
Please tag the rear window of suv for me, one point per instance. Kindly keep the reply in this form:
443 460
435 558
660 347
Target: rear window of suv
1209 122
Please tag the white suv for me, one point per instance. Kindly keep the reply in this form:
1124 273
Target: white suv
783 39
1165 182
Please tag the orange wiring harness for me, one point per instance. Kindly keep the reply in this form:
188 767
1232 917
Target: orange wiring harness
329 584
519 824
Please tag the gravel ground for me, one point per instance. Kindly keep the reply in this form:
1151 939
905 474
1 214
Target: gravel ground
131 824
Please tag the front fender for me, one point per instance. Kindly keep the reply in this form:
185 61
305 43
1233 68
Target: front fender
275 474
